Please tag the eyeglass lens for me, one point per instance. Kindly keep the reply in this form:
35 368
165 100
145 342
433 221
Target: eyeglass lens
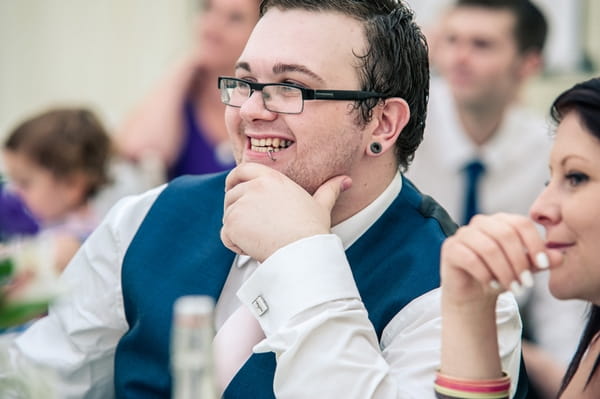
276 98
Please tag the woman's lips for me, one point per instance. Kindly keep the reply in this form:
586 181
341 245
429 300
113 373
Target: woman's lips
558 245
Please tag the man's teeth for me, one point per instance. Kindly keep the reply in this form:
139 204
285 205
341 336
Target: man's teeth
269 144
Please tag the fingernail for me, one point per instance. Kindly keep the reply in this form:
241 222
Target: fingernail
516 288
526 278
542 261
495 285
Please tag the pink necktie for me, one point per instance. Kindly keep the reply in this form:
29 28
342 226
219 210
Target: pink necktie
233 344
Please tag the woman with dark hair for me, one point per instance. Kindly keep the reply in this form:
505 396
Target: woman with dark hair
500 252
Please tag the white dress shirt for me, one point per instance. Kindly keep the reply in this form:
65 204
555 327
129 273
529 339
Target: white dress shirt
516 161
324 342
515 158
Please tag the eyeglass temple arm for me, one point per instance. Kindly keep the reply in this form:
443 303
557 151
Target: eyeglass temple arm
339 95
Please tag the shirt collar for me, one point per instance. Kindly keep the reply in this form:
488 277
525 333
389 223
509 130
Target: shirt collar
241 260
457 149
351 229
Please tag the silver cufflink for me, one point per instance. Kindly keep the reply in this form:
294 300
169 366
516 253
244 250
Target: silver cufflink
260 305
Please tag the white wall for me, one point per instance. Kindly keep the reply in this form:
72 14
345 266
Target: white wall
100 53
592 29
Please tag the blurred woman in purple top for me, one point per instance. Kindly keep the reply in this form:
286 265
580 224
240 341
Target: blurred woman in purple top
180 123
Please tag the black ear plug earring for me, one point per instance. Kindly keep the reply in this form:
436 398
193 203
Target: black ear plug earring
375 147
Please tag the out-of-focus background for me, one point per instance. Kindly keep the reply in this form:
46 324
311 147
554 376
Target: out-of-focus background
572 51
107 54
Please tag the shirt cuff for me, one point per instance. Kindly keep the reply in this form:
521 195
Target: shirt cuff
303 274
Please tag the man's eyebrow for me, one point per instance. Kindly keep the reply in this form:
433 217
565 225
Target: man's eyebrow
243 65
282 68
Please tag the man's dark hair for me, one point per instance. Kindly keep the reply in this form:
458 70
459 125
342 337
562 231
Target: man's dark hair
395 62
531 26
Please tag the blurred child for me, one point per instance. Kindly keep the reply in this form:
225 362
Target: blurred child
56 162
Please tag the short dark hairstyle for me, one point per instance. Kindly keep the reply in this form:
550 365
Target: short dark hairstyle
531 26
584 100
395 63
65 141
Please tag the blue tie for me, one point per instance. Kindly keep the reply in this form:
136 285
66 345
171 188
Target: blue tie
473 172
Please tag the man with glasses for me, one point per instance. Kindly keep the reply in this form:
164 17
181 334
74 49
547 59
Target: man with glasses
326 285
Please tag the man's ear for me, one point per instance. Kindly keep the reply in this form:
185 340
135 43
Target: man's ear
390 118
531 64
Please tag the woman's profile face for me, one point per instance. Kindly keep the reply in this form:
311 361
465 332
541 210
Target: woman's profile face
223 29
569 210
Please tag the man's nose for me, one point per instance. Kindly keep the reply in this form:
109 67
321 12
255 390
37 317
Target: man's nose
462 52
254 107
255 99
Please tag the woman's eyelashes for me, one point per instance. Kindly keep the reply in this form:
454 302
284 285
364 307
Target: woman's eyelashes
576 178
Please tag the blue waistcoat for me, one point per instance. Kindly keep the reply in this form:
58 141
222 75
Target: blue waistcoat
177 251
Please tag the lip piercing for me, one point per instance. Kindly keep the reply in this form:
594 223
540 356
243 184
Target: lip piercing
270 154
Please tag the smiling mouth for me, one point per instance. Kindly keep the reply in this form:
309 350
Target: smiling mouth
561 247
269 144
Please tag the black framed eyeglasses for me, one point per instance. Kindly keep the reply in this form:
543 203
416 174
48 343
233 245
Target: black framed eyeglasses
283 98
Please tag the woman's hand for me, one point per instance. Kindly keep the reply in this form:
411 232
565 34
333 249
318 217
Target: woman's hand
492 254
488 256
